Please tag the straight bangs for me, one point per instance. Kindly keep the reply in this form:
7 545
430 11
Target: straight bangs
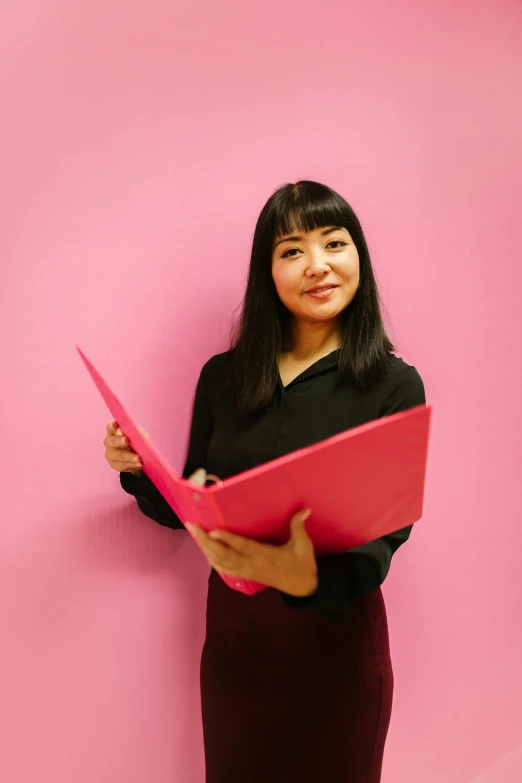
306 209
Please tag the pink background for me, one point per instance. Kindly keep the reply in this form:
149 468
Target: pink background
138 145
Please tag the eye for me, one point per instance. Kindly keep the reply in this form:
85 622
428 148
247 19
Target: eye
296 250
340 241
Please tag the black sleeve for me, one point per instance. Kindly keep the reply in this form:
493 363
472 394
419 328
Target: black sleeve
150 501
345 577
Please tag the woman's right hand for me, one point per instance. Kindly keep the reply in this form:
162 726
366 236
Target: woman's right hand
118 452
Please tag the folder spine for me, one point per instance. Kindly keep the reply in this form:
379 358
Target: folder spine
208 509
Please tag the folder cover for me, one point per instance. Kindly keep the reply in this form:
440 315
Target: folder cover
360 484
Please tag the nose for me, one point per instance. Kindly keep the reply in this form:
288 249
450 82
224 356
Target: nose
318 264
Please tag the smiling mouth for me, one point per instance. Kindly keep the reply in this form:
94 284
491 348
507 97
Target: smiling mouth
320 288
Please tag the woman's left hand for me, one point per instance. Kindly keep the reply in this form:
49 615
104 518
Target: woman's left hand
290 568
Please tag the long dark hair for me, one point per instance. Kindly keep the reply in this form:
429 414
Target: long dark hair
263 328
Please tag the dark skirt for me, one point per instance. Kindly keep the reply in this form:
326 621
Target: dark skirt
294 695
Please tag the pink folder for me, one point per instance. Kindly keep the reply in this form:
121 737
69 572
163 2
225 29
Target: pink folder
360 484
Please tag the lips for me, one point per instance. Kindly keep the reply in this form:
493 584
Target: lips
320 288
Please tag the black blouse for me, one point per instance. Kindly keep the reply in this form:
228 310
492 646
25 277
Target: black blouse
318 403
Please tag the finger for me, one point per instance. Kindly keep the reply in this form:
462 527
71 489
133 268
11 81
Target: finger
135 469
238 572
125 467
218 555
113 431
301 516
299 538
209 547
113 428
122 456
117 439
245 546
117 442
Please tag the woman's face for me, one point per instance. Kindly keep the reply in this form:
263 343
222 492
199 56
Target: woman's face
316 273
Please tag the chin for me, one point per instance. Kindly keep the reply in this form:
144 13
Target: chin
325 315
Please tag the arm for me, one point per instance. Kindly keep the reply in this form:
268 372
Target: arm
344 578
150 501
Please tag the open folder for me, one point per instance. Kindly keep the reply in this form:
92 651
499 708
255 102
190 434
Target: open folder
360 484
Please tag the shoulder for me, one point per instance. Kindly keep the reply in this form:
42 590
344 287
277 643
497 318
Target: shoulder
399 370
217 364
215 372
402 387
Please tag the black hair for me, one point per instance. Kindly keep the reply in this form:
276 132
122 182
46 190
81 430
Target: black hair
263 329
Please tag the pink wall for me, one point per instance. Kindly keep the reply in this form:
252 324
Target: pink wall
139 142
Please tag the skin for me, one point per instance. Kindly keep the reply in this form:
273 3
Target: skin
316 258
297 266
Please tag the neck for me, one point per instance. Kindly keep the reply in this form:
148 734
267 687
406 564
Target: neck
311 338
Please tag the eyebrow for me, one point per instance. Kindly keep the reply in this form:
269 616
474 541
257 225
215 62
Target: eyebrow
299 238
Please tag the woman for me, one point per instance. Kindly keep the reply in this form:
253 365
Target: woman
296 681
